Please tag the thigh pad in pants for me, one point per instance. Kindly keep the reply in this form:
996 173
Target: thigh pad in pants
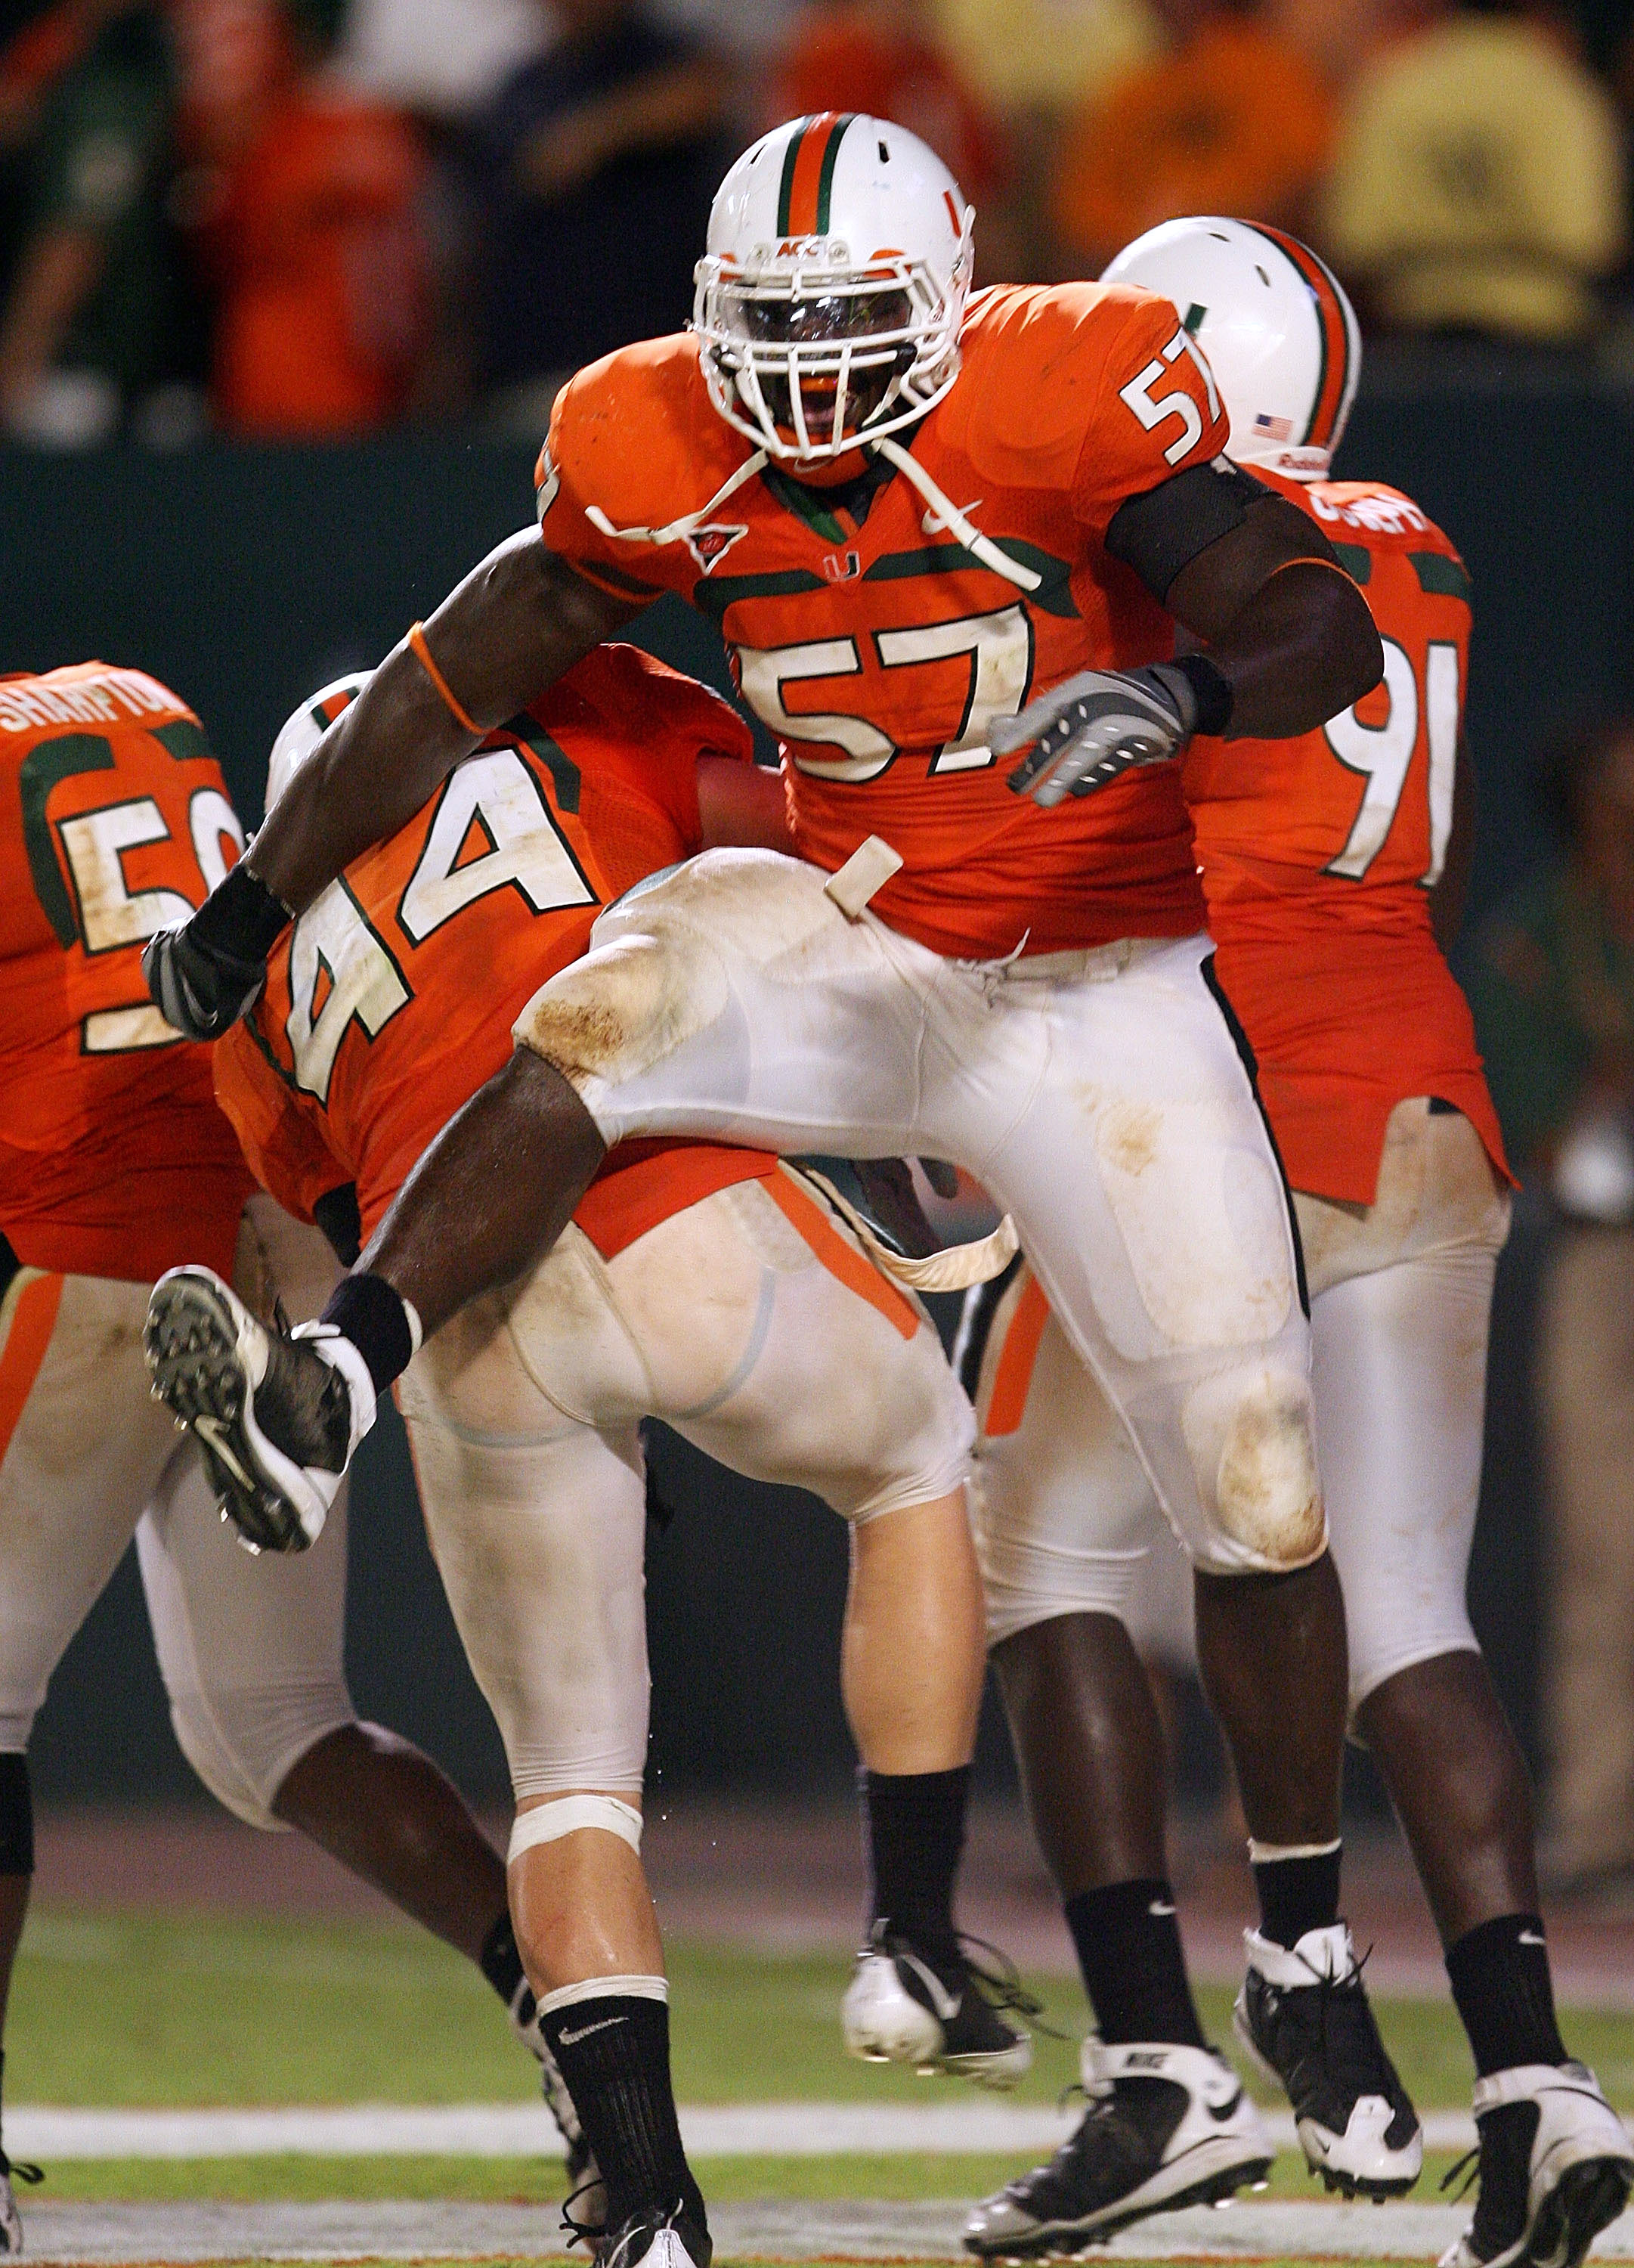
1401 1299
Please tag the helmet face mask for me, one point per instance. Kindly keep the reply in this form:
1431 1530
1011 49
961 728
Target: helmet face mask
815 345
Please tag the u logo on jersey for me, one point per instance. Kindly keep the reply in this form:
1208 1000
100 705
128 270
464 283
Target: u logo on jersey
842 566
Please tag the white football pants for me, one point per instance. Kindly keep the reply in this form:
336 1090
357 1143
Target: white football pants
250 1649
752 1324
1097 1095
1399 1300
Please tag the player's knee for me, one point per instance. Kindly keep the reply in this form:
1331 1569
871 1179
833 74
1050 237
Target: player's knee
16 1816
1028 1580
244 1743
1252 1438
623 1009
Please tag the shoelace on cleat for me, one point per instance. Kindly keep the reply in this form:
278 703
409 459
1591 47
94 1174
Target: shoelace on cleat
18 2168
590 2232
1351 2052
1001 1985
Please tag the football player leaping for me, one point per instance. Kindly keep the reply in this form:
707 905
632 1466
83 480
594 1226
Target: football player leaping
1325 861
706 1285
933 531
114 1162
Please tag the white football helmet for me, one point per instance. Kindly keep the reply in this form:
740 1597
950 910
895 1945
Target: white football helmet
830 300
300 733
1280 336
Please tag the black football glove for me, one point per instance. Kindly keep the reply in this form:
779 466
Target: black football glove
204 975
1094 728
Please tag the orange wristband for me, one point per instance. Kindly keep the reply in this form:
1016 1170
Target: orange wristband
422 653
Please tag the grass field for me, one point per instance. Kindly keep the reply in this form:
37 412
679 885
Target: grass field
174 2010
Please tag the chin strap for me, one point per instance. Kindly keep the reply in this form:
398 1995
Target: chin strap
980 546
678 530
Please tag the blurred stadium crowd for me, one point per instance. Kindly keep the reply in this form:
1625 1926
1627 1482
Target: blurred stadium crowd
330 217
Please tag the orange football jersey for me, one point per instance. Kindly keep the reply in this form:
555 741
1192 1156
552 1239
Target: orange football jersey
114 1158
879 648
1317 855
391 1000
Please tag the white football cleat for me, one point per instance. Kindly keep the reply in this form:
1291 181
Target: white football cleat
1303 2017
1167 2126
1556 2167
276 1413
899 2009
671 2240
11 2220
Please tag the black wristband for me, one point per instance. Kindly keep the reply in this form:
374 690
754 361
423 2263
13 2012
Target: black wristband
241 917
1212 692
366 1310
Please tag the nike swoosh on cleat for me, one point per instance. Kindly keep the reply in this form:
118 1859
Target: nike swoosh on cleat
571 2039
1529 1937
210 1428
1158 1908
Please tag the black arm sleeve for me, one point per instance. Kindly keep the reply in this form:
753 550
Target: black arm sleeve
1160 532
337 1214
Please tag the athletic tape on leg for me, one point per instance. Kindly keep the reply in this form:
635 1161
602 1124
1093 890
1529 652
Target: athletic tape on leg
604 1988
547 1823
1271 1854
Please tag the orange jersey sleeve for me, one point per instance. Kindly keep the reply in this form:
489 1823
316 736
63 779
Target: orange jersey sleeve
282 1135
392 999
115 822
1092 391
1319 854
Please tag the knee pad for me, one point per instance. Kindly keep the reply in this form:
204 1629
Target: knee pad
17 1817
549 1823
244 1743
624 1007
1252 1438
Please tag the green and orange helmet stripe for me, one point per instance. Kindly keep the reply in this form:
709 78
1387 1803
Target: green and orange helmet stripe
1336 374
807 187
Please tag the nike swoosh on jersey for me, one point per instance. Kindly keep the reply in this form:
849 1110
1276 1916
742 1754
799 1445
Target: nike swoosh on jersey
933 524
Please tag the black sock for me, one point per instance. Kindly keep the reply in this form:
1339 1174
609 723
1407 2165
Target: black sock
1296 1894
1134 1970
501 1965
366 1310
612 2050
1499 1975
915 1833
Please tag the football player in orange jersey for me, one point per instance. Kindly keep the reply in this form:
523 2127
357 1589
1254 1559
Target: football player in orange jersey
114 1162
1330 864
931 528
712 1287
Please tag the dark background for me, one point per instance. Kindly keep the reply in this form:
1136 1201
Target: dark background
245 577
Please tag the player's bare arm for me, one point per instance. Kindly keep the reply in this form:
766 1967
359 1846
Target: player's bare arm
1286 639
1281 621
519 620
